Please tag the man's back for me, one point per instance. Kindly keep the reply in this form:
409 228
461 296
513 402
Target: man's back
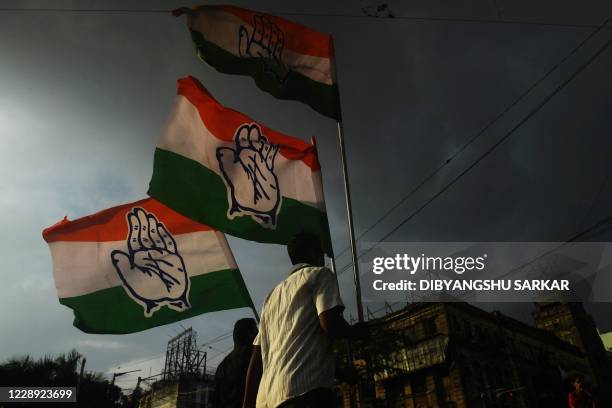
296 353
230 378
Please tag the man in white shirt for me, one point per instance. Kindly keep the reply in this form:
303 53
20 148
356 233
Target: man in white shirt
292 365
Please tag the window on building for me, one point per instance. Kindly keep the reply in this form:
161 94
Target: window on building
429 326
468 329
419 385
478 334
454 323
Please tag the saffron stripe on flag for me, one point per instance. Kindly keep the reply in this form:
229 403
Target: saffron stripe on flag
110 224
221 168
140 265
286 59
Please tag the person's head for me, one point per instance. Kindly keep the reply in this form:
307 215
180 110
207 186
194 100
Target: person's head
245 331
577 381
305 247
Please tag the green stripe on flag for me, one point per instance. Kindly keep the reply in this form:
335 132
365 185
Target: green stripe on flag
112 311
198 193
319 96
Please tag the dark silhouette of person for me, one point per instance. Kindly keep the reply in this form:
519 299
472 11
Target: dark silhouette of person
230 376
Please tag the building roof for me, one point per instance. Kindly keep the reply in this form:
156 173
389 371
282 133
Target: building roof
495 317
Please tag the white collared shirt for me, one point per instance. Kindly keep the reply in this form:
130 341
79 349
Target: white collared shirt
296 353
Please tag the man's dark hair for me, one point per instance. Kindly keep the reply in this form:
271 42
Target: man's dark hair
245 331
303 246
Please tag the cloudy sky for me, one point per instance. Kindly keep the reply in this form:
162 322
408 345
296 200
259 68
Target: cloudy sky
83 96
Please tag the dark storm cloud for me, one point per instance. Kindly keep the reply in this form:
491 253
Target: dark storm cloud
84 97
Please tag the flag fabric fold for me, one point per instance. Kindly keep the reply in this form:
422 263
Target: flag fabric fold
286 59
141 265
224 169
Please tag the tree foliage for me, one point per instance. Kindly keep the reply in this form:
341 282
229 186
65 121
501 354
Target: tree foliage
60 371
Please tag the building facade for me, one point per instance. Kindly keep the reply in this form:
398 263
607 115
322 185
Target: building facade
456 355
570 322
181 393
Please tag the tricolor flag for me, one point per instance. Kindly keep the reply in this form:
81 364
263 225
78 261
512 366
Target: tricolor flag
221 168
284 58
140 265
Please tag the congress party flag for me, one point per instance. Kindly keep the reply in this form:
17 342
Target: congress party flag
140 265
284 58
224 169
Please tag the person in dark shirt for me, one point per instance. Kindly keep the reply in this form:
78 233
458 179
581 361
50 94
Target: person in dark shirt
230 376
579 397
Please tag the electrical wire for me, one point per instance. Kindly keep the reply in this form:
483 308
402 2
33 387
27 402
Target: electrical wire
410 18
219 338
212 341
597 196
133 363
575 238
535 110
220 354
490 124
325 15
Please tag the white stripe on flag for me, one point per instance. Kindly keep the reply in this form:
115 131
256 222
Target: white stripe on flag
85 267
185 134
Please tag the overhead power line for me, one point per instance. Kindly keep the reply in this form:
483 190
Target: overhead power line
597 196
598 28
575 238
490 124
82 10
535 110
143 360
325 15
214 340
219 338
220 354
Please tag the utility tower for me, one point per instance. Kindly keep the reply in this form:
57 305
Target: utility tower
183 358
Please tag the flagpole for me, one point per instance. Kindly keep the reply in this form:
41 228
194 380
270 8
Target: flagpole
347 195
332 258
255 313
253 308
349 211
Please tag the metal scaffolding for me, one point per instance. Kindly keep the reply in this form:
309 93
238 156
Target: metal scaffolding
183 357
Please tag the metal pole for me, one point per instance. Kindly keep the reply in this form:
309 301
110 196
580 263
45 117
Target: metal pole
349 210
205 361
78 387
255 313
334 270
332 259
